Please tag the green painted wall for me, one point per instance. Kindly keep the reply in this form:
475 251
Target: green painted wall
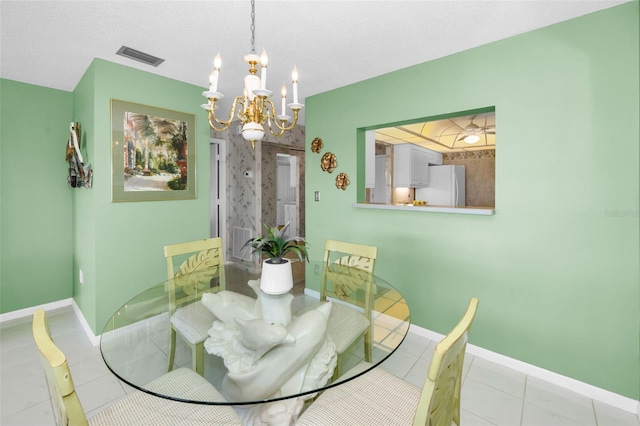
35 214
557 268
84 243
119 245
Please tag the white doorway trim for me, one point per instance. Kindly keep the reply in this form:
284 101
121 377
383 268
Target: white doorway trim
218 190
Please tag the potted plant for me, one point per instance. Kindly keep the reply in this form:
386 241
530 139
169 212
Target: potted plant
277 277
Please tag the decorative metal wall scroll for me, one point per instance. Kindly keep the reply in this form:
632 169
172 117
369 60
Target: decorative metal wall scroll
80 174
316 145
328 162
342 180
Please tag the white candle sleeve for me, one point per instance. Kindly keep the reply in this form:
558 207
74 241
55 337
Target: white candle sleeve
214 81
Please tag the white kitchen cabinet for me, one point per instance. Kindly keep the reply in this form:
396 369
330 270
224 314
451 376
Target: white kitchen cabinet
410 166
435 157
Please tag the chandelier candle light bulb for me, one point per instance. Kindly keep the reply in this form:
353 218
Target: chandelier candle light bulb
294 80
264 60
283 92
217 62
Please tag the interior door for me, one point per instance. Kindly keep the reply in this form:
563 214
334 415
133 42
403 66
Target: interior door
291 188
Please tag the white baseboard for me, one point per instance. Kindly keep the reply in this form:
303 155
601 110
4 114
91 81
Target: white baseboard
95 340
599 394
593 392
27 312
313 293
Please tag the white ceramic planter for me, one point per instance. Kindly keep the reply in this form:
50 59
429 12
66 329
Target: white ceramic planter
276 278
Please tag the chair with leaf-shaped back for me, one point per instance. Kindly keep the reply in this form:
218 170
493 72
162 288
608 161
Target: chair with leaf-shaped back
351 284
137 408
378 397
200 270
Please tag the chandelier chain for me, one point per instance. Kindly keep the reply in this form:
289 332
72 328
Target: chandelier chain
253 26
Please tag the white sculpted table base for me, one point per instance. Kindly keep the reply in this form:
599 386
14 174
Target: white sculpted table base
268 352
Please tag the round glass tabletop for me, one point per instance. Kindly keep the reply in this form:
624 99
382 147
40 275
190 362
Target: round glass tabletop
251 346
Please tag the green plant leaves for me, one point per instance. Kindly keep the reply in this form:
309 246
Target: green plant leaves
275 246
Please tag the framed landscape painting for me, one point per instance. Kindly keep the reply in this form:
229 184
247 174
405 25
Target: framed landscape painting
152 153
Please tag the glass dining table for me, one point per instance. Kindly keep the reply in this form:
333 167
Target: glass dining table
261 349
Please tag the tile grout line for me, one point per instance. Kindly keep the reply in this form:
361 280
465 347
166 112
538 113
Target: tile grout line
524 397
473 358
411 368
552 410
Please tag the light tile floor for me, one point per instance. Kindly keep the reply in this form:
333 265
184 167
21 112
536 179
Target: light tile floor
491 394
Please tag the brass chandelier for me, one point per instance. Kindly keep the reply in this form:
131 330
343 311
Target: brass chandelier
253 108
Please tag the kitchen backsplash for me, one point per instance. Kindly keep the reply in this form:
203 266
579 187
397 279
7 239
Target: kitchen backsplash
480 178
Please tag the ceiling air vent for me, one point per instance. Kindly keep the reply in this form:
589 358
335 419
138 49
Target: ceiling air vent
134 54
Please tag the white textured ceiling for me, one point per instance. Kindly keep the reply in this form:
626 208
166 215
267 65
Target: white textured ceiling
333 43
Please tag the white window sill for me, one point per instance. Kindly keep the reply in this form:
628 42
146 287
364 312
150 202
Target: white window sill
486 211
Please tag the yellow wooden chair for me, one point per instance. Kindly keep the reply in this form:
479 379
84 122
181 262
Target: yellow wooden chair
347 325
137 408
200 270
378 397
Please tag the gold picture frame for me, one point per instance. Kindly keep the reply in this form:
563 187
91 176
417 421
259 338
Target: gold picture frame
153 153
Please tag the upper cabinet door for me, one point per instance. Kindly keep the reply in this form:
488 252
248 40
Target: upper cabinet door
410 166
419 168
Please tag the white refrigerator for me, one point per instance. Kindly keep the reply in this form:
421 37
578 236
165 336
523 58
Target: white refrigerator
446 187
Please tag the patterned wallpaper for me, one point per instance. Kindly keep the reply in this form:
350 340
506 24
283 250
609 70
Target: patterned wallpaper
480 178
245 195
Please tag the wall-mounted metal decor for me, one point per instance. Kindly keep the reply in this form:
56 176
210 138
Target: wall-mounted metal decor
328 162
80 174
316 145
342 181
